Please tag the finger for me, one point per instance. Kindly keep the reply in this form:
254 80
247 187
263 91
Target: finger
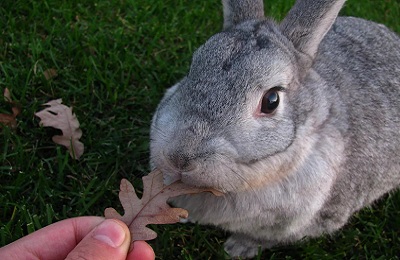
52 242
141 250
109 240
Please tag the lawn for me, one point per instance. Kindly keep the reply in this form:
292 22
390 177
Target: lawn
114 60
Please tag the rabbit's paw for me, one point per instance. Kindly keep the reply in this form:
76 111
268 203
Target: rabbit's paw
241 246
184 220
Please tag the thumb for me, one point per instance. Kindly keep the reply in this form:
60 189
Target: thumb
109 240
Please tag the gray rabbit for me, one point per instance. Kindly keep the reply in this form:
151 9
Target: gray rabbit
298 123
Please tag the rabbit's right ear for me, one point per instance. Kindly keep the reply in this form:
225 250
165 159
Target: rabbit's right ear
307 23
237 11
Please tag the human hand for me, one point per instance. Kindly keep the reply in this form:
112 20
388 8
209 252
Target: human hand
79 238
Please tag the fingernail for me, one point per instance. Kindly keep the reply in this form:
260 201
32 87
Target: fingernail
110 232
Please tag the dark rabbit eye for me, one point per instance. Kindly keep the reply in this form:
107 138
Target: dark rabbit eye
270 101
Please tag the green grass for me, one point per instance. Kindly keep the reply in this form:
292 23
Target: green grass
114 60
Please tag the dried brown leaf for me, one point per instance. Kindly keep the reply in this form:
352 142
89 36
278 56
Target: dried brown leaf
152 208
7 95
10 119
61 117
50 74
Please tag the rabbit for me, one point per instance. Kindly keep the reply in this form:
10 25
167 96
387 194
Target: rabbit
297 123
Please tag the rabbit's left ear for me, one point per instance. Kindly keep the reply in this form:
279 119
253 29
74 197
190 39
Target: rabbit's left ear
308 21
237 11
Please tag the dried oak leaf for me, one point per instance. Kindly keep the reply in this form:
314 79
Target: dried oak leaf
152 208
61 117
10 119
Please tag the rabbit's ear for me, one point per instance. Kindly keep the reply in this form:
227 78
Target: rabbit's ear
308 21
237 11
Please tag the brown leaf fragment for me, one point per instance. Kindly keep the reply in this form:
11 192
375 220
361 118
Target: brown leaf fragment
61 117
50 74
7 95
152 208
10 119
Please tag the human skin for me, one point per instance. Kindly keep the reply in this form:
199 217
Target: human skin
79 238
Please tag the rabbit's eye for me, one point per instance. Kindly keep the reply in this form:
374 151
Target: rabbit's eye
270 101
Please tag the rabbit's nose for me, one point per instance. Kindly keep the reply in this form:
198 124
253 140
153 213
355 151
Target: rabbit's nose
181 161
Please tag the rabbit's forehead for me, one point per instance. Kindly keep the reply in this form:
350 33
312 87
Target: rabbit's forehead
240 54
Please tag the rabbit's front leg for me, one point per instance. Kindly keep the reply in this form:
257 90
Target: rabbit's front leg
239 245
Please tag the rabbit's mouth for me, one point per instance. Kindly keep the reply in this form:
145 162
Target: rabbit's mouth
170 177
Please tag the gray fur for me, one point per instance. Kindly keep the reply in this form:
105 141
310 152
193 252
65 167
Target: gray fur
331 147
236 12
